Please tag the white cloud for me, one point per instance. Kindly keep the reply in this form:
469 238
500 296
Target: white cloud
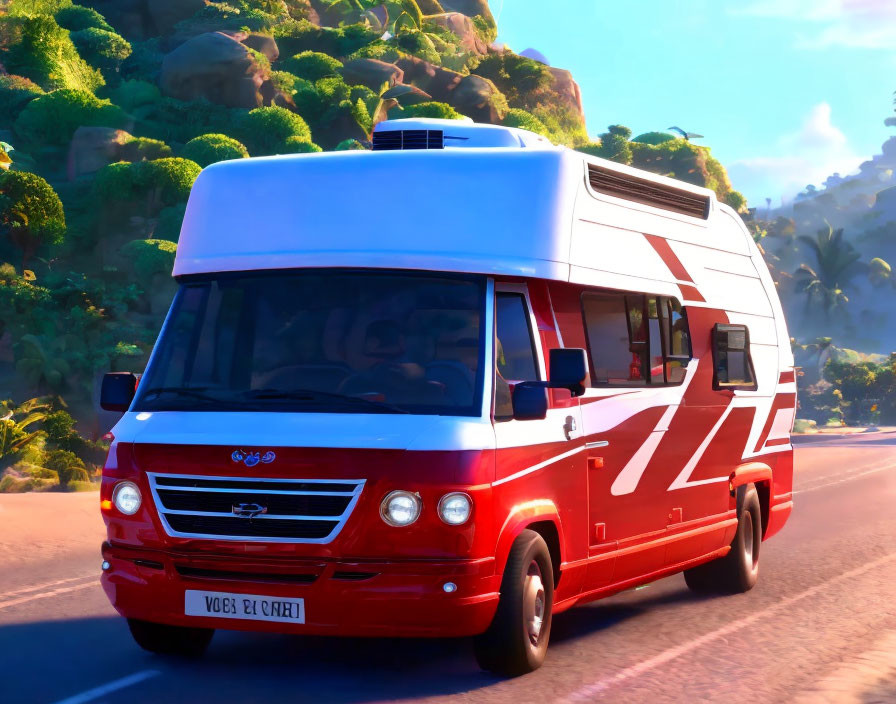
865 24
808 155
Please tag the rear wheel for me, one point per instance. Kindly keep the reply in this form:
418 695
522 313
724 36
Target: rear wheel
170 640
738 571
517 639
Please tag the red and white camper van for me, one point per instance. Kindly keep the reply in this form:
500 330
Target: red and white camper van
449 387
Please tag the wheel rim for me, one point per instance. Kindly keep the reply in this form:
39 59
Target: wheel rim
533 603
750 555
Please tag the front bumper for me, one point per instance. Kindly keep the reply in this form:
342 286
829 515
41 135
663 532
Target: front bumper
345 598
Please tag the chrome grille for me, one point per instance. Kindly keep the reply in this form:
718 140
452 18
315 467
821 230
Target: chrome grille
296 510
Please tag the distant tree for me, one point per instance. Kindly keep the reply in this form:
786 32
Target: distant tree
654 138
615 144
517 77
431 109
836 265
68 466
31 213
517 117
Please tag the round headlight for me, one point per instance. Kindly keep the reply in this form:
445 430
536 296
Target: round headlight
401 508
126 498
455 509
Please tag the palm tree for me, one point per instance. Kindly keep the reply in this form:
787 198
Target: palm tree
836 264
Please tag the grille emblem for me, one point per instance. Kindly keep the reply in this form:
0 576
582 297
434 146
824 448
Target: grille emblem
249 510
250 459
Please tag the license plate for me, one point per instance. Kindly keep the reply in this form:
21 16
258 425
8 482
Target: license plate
250 607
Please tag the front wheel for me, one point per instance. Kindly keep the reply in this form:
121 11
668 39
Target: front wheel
738 571
162 639
517 639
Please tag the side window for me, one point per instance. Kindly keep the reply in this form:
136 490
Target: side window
515 358
732 363
635 340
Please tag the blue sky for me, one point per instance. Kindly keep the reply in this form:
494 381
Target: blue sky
786 91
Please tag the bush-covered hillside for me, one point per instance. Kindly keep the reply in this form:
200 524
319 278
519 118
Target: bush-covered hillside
110 108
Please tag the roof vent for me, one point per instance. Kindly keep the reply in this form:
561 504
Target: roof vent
640 190
407 139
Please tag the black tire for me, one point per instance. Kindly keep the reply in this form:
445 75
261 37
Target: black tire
514 643
170 640
738 571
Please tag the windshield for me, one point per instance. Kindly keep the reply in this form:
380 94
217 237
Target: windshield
321 341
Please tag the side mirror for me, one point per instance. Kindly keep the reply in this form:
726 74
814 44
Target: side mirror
118 391
569 369
530 401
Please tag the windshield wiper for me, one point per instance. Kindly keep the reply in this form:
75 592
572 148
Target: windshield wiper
196 392
314 395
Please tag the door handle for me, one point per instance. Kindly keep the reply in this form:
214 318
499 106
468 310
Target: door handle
569 427
596 443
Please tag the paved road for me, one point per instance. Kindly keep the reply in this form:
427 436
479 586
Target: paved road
819 627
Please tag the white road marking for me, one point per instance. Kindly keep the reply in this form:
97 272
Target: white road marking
847 478
841 473
590 691
108 688
46 585
94 582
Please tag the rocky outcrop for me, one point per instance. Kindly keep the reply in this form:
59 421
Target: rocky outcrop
568 91
463 27
471 95
371 73
476 97
92 148
143 19
216 67
263 44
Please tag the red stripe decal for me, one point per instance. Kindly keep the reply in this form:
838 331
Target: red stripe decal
689 293
787 377
778 441
669 259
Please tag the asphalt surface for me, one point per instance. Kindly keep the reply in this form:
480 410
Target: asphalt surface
819 627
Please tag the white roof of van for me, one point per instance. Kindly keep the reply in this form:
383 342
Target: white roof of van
495 210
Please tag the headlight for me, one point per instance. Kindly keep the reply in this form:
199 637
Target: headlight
126 498
455 508
401 508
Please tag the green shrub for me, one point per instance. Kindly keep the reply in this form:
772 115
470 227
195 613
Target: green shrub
173 120
381 50
68 466
302 35
517 117
52 119
418 44
14 485
101 48
168 181
299 145
15 93
350 145
170 221
78 485
75 18
265 130
515 76
654 138
43 473
150 257
39 49
430 109
333 89
145 149
130 95
312 65
210 148
59 427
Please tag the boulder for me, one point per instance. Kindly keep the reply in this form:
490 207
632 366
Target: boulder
216 67
463 27
167 13
475 97
567 90
371 73
92 148
263 44
437 81
470 8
